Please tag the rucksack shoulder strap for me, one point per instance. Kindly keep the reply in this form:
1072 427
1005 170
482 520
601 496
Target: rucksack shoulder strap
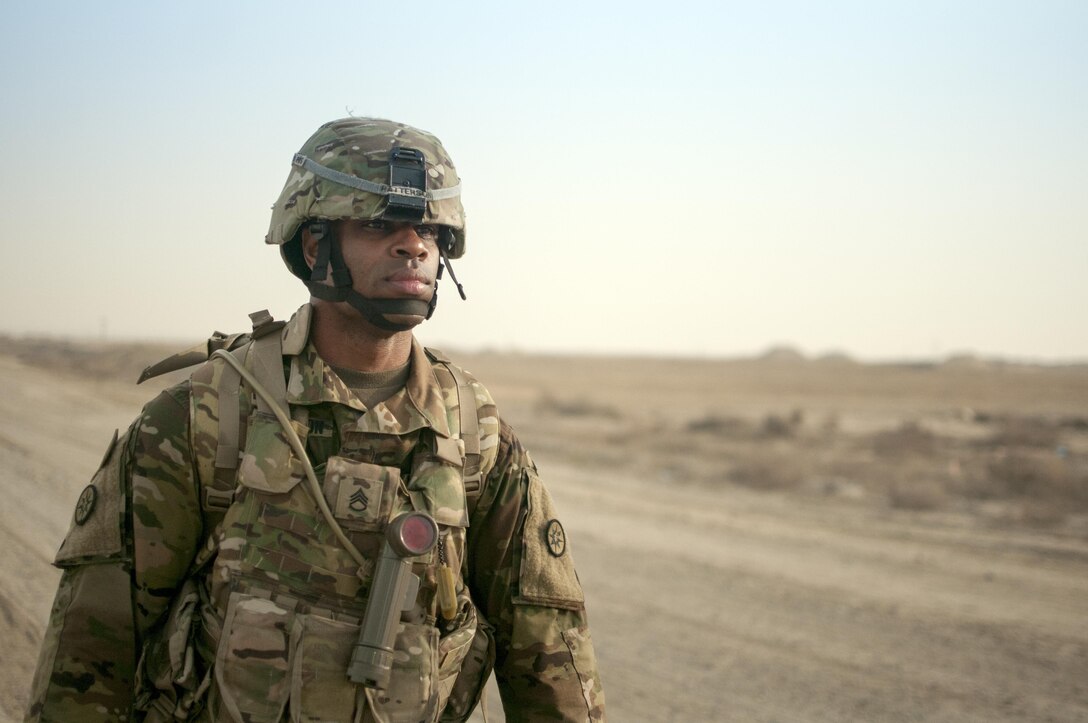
468 418
263 354
265 358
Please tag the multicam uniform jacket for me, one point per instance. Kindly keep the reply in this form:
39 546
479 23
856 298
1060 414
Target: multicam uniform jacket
167 612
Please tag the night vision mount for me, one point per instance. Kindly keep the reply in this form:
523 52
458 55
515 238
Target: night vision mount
407 200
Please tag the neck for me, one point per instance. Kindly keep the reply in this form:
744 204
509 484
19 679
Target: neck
345 339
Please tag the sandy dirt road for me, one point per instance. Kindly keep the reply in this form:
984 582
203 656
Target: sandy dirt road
722 604
53 432
749 607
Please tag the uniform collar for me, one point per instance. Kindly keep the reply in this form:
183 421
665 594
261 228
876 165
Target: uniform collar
417 405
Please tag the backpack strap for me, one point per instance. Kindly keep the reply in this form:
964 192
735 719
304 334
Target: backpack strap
469 423
219 495
265 358
264 355
470 429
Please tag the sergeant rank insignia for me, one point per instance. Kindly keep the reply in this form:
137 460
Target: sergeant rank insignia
358 502
556 538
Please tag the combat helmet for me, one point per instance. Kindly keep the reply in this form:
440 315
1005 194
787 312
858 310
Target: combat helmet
366 169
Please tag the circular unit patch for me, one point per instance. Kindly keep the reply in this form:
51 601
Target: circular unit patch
556 538
85 505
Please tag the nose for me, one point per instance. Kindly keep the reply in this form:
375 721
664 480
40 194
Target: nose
408 244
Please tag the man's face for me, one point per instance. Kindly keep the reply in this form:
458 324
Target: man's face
387 259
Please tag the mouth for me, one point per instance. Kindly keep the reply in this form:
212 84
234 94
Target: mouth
410 283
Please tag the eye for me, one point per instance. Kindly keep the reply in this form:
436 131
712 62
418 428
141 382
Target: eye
376 224
427 232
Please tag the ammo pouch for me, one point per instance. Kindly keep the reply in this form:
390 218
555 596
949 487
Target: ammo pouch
467 688
274 658
171 682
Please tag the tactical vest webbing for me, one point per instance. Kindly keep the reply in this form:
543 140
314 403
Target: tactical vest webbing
261 351
231 502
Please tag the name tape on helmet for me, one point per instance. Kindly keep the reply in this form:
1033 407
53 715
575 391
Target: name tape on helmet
381 189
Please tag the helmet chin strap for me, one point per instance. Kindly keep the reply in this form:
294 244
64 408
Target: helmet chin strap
375 311
453 276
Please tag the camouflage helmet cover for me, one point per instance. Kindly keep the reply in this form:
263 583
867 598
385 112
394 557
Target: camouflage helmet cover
360 147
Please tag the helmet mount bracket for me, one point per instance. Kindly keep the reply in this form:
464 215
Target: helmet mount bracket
407 199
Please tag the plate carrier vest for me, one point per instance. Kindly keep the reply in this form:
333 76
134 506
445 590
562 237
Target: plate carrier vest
264 625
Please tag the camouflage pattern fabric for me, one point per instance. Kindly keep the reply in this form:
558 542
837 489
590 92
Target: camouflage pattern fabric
263 631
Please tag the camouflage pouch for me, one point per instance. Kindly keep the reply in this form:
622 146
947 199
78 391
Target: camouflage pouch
438 489
269 464
252 662
321 649
170 681
463 671
321 653
412 696
272 659
452 651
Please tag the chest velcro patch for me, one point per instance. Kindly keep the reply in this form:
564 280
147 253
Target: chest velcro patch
361 494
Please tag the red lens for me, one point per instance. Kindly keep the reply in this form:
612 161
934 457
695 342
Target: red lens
418 534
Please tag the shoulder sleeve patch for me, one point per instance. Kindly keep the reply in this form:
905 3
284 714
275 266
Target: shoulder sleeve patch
98 520
547 575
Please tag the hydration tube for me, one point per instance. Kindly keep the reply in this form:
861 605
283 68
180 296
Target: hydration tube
300 452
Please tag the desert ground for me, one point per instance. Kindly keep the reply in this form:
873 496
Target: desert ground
770 539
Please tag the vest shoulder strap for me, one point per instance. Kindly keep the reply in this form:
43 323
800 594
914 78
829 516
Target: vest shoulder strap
468 418
261 352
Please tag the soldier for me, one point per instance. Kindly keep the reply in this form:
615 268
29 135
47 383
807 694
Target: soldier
238 547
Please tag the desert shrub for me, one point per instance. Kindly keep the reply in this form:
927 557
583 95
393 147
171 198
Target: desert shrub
908 439
672 444
917 494
575 408
1077 424
1043 513
1038 476
775 426
1042 487
768 472
1026 432
723 426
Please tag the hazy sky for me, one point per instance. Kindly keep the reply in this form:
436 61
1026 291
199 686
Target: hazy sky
885 179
